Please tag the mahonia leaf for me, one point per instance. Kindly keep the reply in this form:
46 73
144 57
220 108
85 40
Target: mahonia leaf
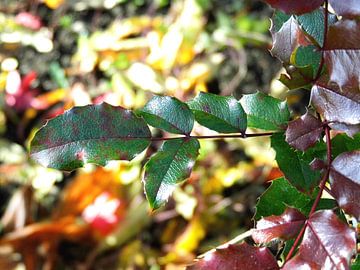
345 182
265 112
297 77
287 39
346 8
304 132
237 257
280 195
313 24
168 113
295 6
342 54
294 164
307 56
328 243
171 165
340 108
285 226
343 143
90 134
220 113
277 20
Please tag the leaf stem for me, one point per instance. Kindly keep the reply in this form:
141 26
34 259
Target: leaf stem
326 22
220 136
318 197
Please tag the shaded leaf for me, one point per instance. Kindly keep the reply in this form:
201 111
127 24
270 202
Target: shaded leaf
342 143
307 56
237 257
285 226
168 113
280 195
295 164
265 112
342 53
346 8
345 182
90 134
297 77
294 6
220 113
337 106
327 244
313 24
171 165
304 132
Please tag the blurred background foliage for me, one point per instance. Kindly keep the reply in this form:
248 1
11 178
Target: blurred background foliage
55 54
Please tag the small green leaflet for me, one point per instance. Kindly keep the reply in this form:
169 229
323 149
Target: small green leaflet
278 197
90 134
171 165
169 114
265 112
295 164
220 113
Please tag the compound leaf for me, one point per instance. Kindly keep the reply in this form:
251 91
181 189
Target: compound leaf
220 113
90 134
171 165
328 243
168 113
265 112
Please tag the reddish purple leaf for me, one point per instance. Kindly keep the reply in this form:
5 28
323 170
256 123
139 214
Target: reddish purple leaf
328 244
287 39
285 226
338 107
347 8
304 132
345 182
237 257
295 6
342 53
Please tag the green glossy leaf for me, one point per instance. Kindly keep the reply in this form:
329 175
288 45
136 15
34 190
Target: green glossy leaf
168 113
220 113
342 143
90 134
295 164
265 112
278 197
171 165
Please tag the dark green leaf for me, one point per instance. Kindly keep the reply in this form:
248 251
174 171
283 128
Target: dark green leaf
265 112
171 165
220 113
277 20
308 56
295 164
343 143
90 134
168 113
278 197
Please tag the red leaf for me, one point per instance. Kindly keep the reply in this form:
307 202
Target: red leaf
342 108
237 257
287 39
327 244
345 182
304 132
285 226
346 8
342 53
295 6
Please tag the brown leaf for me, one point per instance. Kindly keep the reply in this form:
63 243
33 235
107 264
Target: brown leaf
327 244
346 8
295 6
342 53
304 132
285 226
345 182
237 257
